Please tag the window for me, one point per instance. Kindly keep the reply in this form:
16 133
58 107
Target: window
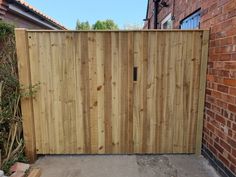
166 23
191 22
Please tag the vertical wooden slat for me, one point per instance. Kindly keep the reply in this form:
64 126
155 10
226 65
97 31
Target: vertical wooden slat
115 92
85 91
189 88
143 97
151 93
195 63
178 131
80 131
26 103
138 93
186 93
123 49
203 70
171 89
129 118
108 93
35 79
55 95
166 135
49 92
100 91
159 72
61 108
55 54
193 100
93 107
43 60
196 74
70 90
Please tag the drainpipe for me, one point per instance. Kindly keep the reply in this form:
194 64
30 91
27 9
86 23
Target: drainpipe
149 25
156 7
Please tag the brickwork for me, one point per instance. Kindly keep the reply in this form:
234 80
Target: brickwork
21 22
220 110
17 20
219 137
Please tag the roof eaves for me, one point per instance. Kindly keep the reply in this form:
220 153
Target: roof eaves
38 13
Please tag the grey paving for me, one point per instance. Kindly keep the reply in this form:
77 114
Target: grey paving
125 166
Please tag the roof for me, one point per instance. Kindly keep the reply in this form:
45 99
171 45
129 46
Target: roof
26 5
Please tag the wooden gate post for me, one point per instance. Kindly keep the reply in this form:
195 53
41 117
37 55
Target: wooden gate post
202 88
26 102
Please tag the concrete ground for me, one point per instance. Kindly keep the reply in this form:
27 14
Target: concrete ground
125 166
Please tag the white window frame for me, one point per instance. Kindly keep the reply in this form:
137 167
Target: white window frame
168 17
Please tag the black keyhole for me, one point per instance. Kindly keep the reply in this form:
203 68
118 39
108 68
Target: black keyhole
135 75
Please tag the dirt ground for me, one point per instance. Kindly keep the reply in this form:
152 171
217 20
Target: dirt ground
125 166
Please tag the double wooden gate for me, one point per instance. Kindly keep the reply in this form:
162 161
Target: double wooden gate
112 92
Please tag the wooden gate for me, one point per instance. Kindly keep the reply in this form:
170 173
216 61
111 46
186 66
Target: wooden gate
112 92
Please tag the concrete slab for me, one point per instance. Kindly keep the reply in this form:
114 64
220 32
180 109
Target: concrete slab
125 166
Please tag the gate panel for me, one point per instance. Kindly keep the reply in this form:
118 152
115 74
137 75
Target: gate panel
113 92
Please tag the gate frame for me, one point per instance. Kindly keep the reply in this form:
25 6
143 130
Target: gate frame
27 102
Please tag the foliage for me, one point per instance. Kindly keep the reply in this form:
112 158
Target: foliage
99 25
5 29
82 25
105 25
11 139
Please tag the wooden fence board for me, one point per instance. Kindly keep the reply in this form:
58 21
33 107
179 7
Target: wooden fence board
26 102
88 102
202 86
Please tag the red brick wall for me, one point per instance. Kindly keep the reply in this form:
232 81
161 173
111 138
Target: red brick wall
220 117
2 8
219 137
16 19
20 22
180 10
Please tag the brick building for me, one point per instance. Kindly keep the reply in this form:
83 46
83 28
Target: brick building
22 15
219 137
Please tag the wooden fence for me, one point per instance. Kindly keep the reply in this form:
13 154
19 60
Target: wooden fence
113 92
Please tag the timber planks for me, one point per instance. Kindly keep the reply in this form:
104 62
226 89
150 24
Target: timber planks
88 102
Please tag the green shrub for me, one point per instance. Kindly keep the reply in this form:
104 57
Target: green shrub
6 29
11 138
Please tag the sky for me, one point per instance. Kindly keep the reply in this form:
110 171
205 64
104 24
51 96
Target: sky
123 12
